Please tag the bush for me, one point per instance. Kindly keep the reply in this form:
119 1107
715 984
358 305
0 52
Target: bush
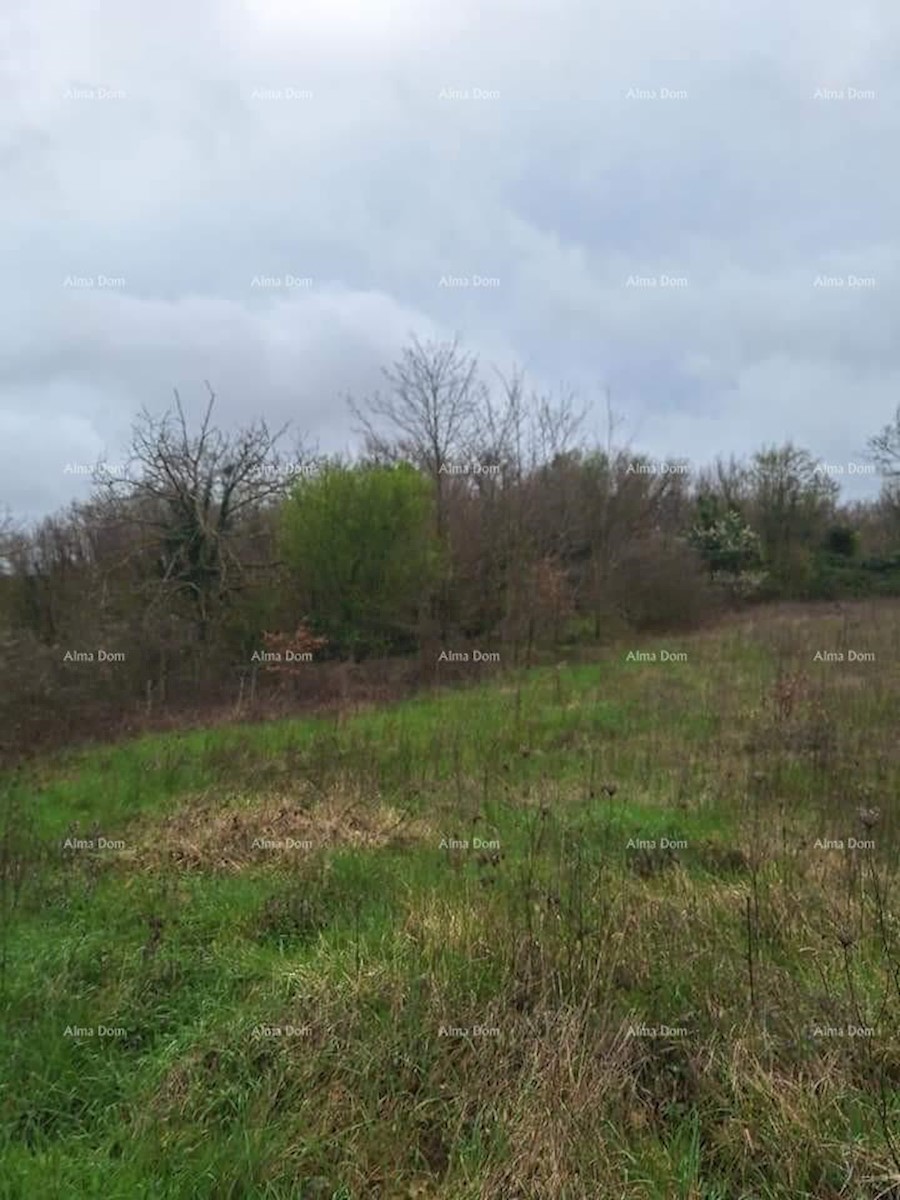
661 584
361 545
841 541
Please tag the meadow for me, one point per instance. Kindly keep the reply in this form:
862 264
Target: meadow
618 929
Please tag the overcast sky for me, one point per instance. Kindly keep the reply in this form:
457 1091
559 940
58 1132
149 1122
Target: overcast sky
693 203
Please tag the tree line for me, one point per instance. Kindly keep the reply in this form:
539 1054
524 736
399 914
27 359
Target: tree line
475 512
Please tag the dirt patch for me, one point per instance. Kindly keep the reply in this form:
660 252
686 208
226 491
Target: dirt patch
236 832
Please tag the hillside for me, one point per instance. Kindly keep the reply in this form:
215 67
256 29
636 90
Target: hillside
626 929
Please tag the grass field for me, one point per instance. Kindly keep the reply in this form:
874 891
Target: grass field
615 930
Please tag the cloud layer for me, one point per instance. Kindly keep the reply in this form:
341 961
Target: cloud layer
695 206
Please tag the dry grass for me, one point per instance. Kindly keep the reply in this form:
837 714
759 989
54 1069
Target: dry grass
218 833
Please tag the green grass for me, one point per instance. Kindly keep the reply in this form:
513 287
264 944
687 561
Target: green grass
638 1020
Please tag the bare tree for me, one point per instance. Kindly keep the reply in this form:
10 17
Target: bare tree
613 421
884 448
430 412
556 421
10 539
190 492
500 425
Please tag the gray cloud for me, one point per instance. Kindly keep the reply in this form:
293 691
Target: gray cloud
517 174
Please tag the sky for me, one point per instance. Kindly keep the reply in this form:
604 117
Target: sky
694 205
